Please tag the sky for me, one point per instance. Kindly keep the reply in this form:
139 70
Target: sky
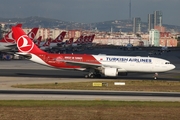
90 11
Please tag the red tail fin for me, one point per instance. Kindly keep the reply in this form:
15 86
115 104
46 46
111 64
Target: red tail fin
38 41
47 43
24 43
59 38
78 41
19 25
33 33
70 41
85 39
8 38
92 38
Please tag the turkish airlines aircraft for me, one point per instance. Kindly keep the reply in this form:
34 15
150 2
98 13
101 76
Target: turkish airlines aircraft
68 43
8 43
58 39
46 44
38 41
97 65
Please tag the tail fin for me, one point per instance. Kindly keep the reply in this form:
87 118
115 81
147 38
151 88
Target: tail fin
47 43
92 38
24 43
8 38
19 25
32 33
85 39
78 41
70 41
59 38
38 41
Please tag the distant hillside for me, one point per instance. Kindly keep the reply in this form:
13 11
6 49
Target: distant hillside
115 25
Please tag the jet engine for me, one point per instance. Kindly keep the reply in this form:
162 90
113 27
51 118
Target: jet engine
108 71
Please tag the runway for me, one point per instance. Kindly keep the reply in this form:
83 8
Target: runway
87 95
26 72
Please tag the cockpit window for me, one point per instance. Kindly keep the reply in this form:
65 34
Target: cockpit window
167 62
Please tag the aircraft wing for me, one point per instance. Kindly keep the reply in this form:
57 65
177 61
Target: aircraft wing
87 64
25 55
82 64
12 46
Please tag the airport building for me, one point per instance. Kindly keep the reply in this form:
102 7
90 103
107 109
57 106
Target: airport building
154 36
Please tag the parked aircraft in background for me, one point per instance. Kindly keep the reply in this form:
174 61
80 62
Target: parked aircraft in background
7 43
68 43
58 40
97 65
46 44
38 41
83 41
78 42
49 43
165 48
129 46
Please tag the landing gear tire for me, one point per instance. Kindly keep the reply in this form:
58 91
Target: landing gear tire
86 76
155 76
92 76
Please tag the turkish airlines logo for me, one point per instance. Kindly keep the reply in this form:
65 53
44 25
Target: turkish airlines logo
9 38
24 45
31 35
59 59
59 38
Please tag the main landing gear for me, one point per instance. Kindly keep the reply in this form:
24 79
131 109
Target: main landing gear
93 75
156 76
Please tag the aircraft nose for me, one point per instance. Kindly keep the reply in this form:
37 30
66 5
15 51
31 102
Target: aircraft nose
173 67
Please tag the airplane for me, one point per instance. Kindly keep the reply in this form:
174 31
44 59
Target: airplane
68 43
58 40
38 41
129 46
46 44
96 65
78 42
7 43
165 48
88 41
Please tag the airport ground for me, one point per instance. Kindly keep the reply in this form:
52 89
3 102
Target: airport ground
24 72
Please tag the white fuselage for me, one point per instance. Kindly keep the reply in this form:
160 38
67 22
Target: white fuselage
135 64
126 63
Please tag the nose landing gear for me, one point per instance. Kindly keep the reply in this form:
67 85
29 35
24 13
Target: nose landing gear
156 76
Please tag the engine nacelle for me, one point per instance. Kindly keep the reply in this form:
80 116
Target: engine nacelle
110 71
